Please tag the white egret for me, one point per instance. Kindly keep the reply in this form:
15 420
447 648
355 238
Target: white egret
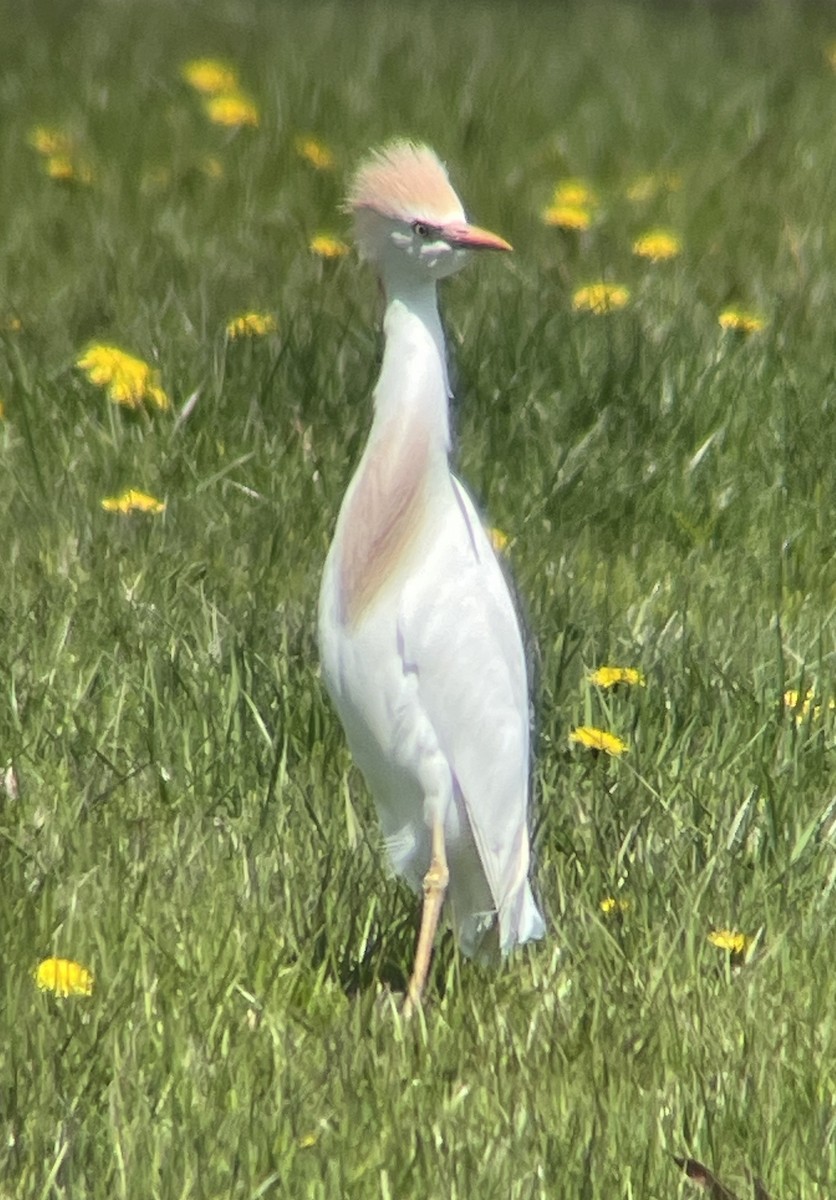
419 638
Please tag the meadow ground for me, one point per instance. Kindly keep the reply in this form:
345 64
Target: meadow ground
178 809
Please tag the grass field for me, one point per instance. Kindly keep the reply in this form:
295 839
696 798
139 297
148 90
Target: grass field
178 810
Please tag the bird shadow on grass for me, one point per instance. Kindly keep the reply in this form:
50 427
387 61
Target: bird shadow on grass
376 942
376 962
386 960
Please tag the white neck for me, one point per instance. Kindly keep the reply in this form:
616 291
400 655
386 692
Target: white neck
413 377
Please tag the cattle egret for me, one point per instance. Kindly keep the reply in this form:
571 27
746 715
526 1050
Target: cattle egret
419 639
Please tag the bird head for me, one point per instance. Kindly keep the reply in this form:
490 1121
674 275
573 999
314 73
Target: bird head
407 218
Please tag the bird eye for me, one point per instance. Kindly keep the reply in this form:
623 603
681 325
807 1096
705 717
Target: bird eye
423 230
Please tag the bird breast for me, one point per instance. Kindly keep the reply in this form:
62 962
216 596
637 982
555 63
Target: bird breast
383 515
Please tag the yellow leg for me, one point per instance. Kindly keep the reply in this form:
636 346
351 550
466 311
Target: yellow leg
435 887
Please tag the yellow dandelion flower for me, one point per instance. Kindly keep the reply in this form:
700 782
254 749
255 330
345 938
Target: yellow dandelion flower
598 739
210 76
60 166
232 109
132 500
575 193
497 539
157 397
567 216
612 906
327 246
802 705
738 321
794 699
648 187
62 160
12 325
307 1140
212 167
48 140
251 324
658 245
728 939
68 170
643 188
600 298
128 380
63 977
315 152
607 677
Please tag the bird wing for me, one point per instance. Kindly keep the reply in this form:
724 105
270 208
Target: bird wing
460 636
